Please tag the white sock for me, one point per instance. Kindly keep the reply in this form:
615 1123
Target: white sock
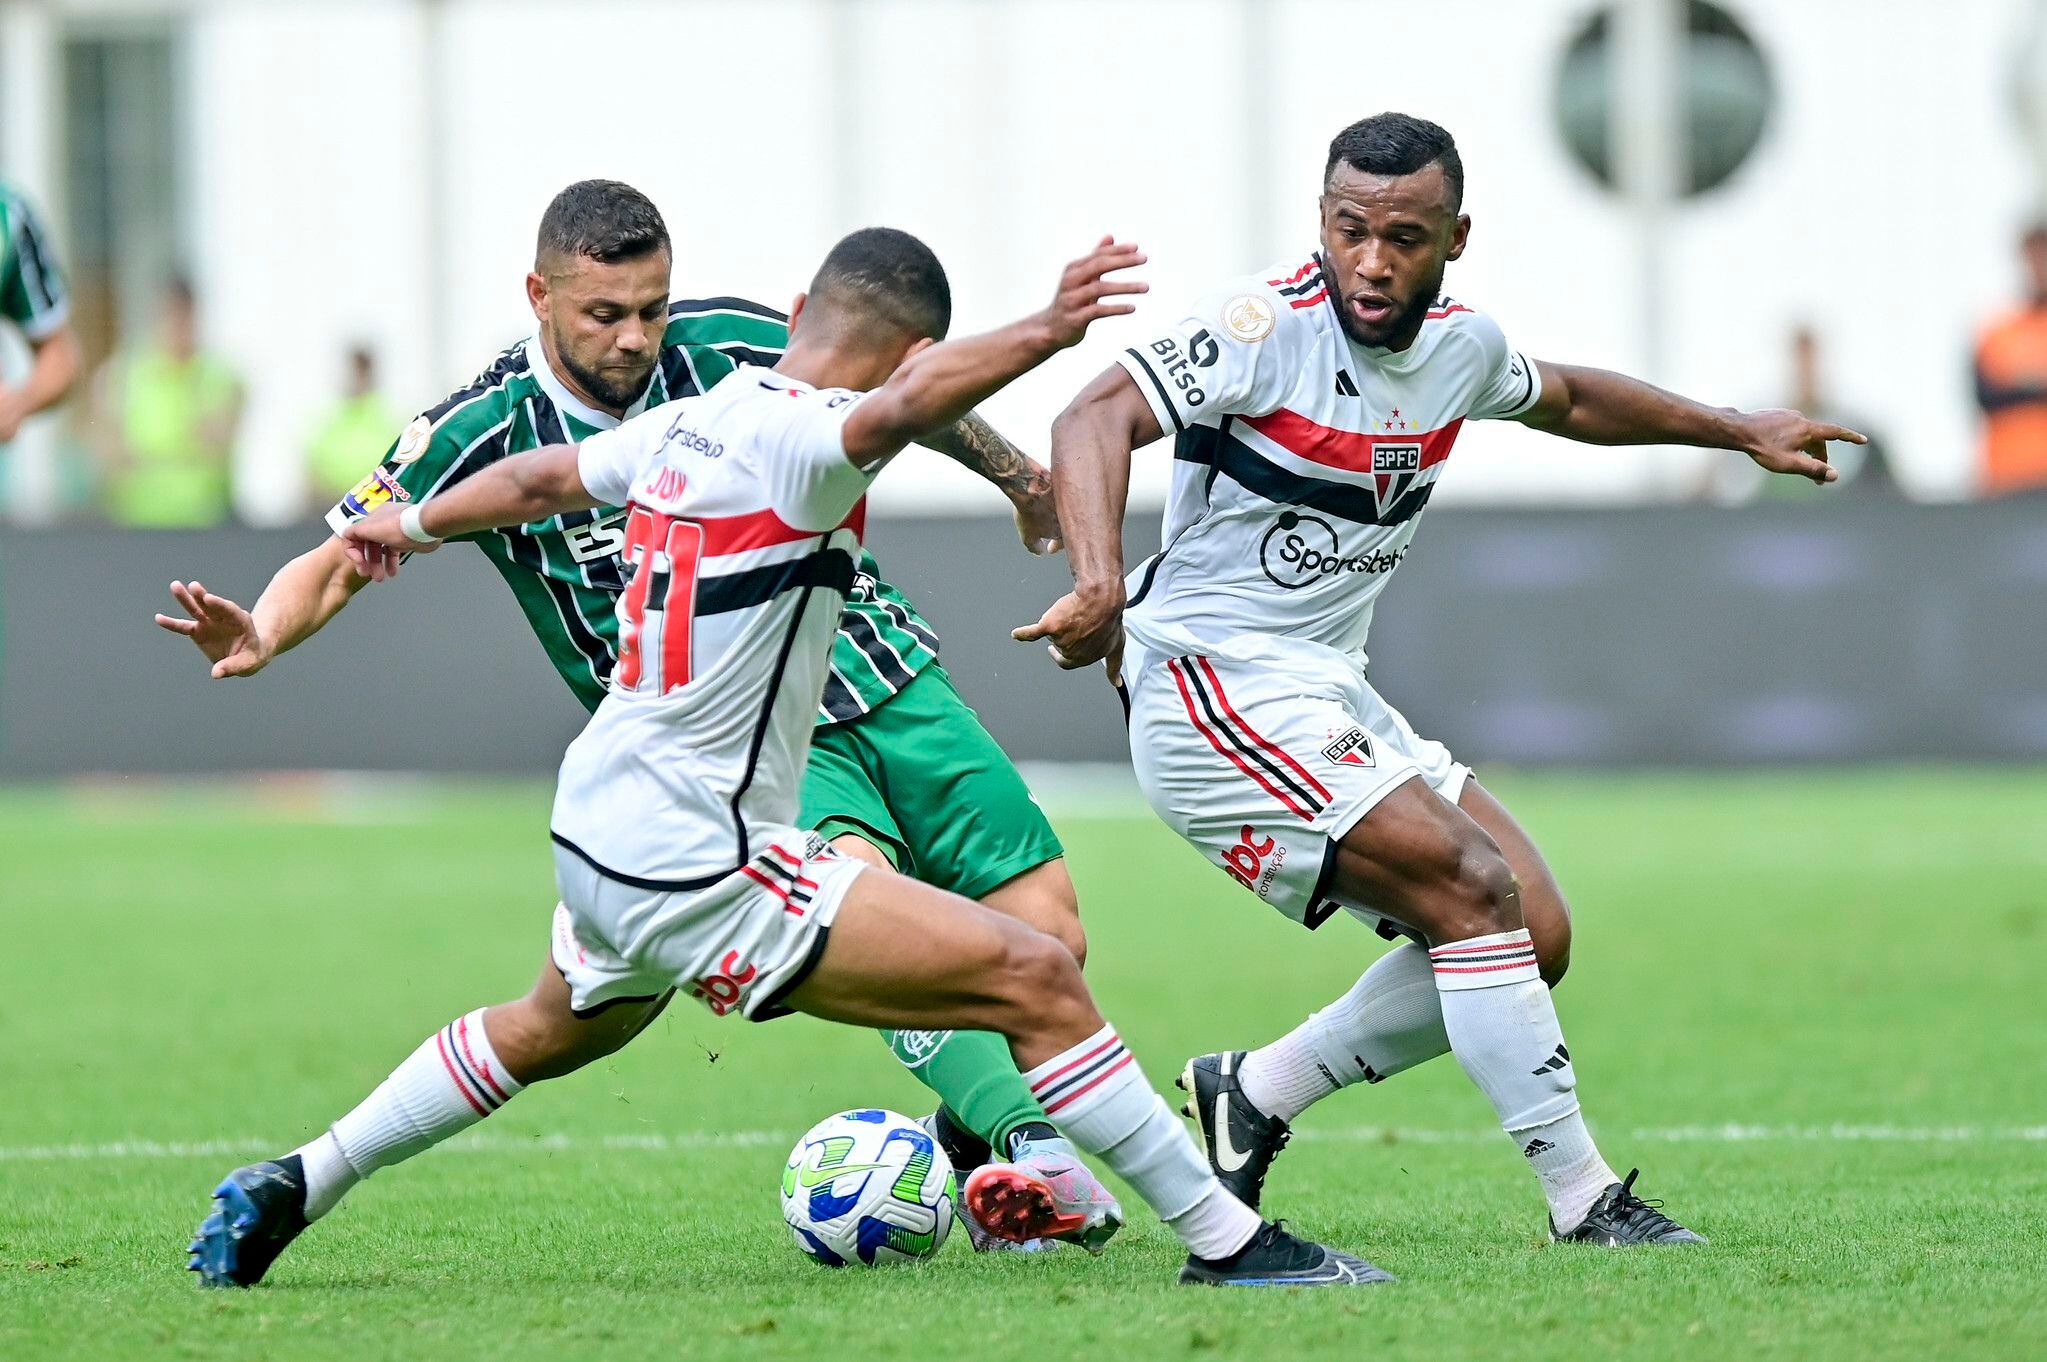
1098 1097
1390 1020
452 1081
329 1174
1572 1173
1503 1029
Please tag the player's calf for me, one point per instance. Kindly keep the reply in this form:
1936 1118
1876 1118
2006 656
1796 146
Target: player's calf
1043 897
459 1075
978 969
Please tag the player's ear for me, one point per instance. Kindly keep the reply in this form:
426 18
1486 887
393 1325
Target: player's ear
1459 234
796 310
917 348
536 293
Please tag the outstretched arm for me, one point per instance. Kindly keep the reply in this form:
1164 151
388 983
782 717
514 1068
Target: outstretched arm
975 445
306 592
941 383
525 487
1599 407
1091 445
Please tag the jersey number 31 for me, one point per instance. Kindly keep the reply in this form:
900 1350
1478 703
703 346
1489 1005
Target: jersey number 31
654 614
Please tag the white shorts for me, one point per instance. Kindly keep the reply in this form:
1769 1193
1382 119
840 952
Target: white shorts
740 945
1262 752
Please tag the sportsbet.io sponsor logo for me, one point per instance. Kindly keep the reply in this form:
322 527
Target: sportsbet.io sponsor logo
1300 549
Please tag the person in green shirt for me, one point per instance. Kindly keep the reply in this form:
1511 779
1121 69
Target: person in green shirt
901 771
354 433
169 413
34 301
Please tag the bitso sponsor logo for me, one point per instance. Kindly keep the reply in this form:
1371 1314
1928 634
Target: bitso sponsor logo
1179 370
1300 549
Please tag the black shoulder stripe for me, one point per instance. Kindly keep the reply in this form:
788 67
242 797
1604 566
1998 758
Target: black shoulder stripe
747 354
32 250
510 362
1164 396
683 307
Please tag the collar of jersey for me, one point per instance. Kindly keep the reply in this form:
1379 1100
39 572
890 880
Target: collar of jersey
566 401
779 381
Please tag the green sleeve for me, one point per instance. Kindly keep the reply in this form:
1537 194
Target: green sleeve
441 447
32 291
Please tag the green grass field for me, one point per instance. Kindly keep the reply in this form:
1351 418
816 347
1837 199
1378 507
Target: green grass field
1809 1007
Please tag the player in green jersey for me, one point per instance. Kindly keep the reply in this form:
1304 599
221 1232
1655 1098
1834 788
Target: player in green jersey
610 344
33 299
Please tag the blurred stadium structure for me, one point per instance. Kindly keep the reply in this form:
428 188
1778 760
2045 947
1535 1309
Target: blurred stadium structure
371 171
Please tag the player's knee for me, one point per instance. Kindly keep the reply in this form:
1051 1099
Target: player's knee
1553 954
1475 895
1069 933
1040 978
538 1041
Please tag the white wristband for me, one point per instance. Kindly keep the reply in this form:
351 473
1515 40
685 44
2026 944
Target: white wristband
408 521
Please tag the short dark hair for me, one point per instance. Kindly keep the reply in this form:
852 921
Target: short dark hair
2034 235
888 276
603 220
1398 144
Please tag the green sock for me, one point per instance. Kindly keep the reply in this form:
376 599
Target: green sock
974 1076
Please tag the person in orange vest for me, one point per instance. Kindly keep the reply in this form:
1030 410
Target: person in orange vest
2011 383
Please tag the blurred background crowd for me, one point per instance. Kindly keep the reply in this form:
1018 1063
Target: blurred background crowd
244 241
247 237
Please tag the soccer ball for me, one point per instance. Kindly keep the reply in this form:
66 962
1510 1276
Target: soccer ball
867 1186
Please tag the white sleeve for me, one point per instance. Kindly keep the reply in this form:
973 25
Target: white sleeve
1236 354
800 443
611 461
1509 385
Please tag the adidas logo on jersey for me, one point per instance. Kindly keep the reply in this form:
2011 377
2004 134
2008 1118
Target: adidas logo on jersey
1344 387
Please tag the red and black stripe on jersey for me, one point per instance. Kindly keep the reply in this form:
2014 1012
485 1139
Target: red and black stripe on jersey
1304 287
1393 500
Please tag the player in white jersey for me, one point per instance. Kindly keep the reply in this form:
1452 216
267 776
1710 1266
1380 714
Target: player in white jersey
677 853
1315 404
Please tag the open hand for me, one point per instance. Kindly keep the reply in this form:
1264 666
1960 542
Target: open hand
223 631
1785 441
1082 289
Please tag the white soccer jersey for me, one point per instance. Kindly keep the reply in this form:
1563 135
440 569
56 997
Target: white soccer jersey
744 519
1303 460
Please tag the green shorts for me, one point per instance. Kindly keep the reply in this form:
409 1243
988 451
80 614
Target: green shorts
921 779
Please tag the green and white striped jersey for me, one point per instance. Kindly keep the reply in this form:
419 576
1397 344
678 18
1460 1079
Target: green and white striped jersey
566 571
32 292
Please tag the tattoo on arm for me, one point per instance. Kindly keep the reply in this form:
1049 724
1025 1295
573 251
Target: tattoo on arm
977 446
